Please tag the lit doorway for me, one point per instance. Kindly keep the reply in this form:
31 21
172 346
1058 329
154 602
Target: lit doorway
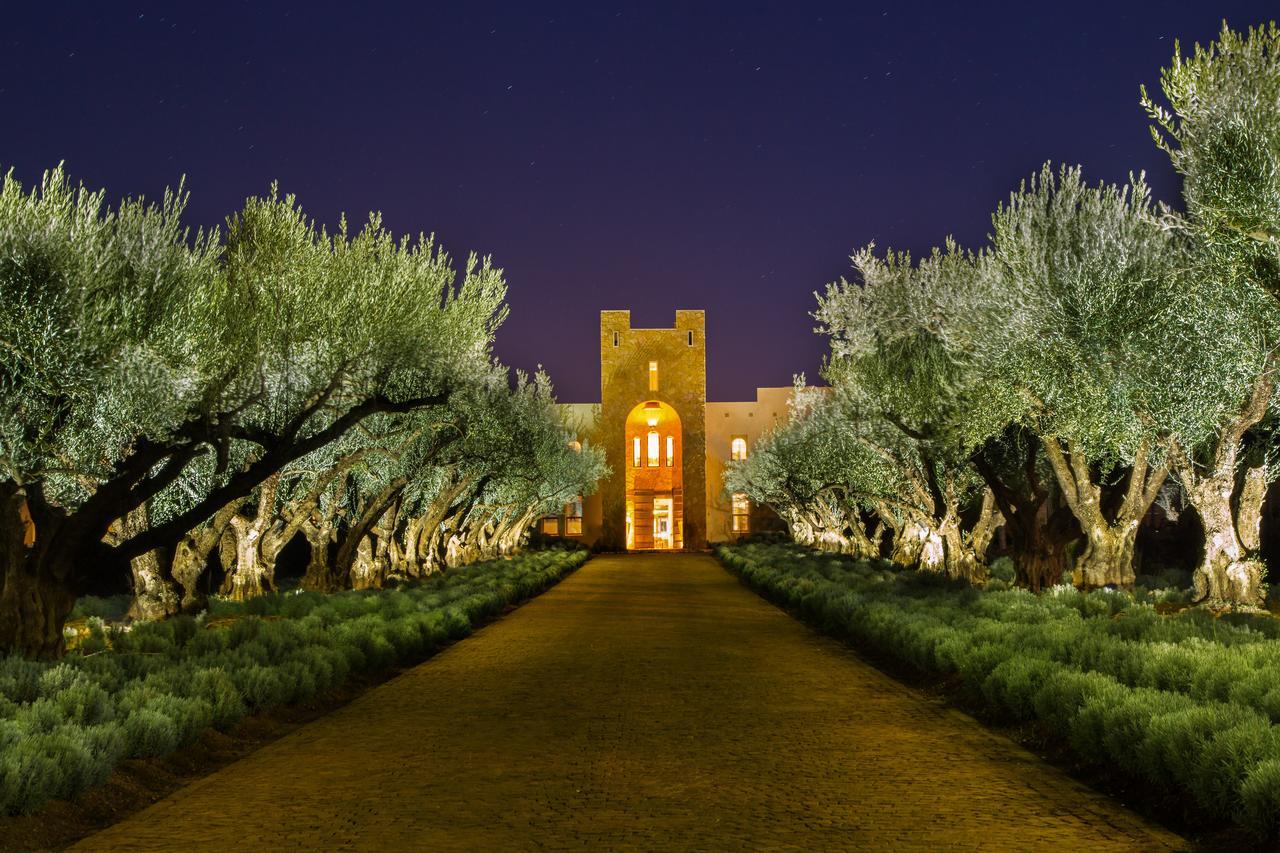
654 478
662 525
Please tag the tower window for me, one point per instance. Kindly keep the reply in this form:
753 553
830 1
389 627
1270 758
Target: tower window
653 448
653 376
671 450
691 339
738 448
635 452
615 339
741 513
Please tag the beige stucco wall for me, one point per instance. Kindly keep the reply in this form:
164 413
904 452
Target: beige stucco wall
725 421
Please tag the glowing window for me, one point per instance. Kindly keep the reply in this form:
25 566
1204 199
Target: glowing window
653 448
741 513
671 450
551 526
635 452
573 517
653 376
738 448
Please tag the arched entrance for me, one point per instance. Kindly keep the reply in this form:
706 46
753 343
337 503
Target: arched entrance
655 485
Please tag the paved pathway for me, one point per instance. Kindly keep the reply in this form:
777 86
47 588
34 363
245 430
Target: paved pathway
646 702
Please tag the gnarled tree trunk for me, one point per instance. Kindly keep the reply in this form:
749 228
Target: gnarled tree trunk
1109 549
37 594
967 552
909 543
191 555
1037 533
1231 573
254 570
154 593
345 561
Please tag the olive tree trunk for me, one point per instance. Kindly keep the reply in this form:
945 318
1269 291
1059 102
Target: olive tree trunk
1108 558
155 595
1037 532
1231 572
349 561
909 543
36 596
191 555
253 572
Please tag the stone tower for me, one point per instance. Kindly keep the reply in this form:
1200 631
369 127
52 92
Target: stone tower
667 370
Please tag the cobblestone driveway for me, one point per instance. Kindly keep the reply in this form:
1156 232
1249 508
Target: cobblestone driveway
647 701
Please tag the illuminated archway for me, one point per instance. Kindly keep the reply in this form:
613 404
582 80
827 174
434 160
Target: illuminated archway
655 483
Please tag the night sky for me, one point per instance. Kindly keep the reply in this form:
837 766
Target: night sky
642 156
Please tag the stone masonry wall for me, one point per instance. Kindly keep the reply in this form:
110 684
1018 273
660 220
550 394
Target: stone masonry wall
681 354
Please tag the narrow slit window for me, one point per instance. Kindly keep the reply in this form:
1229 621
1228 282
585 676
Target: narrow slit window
653 376
615 339
671 450
635 452
691 339
653 448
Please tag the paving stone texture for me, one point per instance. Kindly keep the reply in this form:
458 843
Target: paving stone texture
646 702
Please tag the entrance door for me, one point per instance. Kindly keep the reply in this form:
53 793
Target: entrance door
662 533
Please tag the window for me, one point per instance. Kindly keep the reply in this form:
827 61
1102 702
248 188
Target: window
653 448
653 376
691 339
671 450
635 452
615 339
551 526
741 513
738 448
573 517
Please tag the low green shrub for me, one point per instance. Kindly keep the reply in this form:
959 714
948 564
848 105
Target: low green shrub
111 609
148 690
1187 702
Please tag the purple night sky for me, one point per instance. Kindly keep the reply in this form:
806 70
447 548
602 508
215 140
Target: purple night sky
642 156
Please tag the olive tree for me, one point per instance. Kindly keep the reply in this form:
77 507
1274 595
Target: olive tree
136 351
1220 125
819 475
900 340
525 465
1091 278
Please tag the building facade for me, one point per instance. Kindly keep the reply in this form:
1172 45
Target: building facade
666 445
